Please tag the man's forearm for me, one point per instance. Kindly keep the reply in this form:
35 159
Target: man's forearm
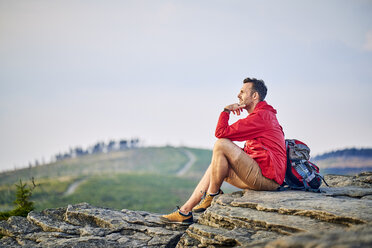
226 110
235 108
222 124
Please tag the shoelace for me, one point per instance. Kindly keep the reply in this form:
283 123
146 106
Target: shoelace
204 194
175 210
203 197
178 209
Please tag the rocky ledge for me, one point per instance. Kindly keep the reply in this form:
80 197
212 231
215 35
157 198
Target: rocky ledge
340 216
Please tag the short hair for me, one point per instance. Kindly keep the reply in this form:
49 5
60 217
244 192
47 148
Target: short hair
258 86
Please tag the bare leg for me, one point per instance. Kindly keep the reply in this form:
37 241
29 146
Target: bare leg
198 192
219 169
231 164
224 151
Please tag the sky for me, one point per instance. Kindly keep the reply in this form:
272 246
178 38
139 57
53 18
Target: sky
76 72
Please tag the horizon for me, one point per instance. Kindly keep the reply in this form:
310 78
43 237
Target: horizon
74 73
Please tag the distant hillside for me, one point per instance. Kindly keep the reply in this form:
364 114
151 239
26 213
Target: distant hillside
345 161
147 178
349 152
160 160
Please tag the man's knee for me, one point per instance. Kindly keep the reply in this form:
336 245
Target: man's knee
222 144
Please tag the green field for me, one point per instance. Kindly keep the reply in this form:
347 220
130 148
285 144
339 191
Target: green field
138 179
149 192
47 192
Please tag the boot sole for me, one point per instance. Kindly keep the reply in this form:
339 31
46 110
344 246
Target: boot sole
165 220
200 210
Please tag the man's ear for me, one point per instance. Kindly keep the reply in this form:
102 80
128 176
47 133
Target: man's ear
256 96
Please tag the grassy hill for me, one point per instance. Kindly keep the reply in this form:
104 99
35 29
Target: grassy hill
138 179
162 160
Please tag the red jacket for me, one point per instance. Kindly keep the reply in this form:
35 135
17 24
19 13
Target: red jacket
264 139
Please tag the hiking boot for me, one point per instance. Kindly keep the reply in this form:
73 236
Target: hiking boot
205 202
177 217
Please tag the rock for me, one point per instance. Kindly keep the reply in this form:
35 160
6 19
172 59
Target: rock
359 236
340 216
16 226
288 218
83 225
50 224
362 180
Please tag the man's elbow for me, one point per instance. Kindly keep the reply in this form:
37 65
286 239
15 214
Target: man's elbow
219 134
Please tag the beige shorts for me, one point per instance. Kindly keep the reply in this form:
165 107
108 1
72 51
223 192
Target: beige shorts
246 174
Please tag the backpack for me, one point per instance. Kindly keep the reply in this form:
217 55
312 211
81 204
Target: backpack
300 174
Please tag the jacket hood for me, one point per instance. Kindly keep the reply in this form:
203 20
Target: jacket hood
263 105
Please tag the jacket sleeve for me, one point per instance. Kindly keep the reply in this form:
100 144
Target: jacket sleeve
242 130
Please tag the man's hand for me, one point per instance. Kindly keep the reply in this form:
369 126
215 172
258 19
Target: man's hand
236 108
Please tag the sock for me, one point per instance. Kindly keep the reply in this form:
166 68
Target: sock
188 214
214 194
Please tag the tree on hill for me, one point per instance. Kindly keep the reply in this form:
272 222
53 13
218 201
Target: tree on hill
111 146
134 143
98 148
78 151
123 144
62 156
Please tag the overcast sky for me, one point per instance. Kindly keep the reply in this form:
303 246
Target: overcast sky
76 72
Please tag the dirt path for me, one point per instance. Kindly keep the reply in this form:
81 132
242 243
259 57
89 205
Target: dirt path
73 186
188 165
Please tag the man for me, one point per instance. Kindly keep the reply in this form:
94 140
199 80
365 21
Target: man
260 165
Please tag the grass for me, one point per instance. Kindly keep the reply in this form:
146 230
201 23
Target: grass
148 192
138 179
48 190
135 191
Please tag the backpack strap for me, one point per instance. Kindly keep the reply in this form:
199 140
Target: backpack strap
285 186
322 179
304 188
